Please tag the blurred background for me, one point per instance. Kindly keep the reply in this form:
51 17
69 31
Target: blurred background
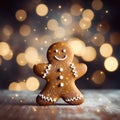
29 27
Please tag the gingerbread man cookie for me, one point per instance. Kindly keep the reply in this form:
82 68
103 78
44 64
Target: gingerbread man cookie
60 74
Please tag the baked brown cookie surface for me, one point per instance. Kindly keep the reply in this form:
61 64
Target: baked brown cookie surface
60 74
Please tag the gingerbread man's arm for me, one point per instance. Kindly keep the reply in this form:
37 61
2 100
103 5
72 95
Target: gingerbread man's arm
39 69
81 69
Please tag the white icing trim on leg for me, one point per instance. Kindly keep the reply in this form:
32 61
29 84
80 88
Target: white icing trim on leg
74 98
45 98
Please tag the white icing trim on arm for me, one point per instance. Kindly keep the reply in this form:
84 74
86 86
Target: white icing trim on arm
72 66
47 70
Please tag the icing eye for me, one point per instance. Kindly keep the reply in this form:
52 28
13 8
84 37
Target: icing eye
64 50
56 50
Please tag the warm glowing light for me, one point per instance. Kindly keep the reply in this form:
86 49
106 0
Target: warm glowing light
7 30
75 29
4 48
88 14
98 77
46 40
25 30
89 54
76 9
60 32
103 27
97 4
98 39
111 64
31 55
77 45
66 19
14 86
32 83
41 9
106 50
106 11
9 55
21 59
52 24
115 38
59 6
4 37
85 24
21 15
23 85
21 101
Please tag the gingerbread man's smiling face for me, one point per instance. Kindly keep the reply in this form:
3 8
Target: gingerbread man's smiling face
60 52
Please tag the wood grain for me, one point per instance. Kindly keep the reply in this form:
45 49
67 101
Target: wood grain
98 105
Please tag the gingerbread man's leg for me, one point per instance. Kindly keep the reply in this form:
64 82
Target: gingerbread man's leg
47 97
73 96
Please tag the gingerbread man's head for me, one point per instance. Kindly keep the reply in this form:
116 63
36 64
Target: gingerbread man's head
60 52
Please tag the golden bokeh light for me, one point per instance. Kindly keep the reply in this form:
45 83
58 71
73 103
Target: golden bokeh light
88 14
4 48
85 24
106 11
32 83
34 26
111 64
115 38
42 10
21 15
23 85
76 9
75 29
98 39
60 32
77 45
89 54
103 27
25 30
46 40
21 59
31 55
97 4
98 77
14 86
59 6
9 55
52 24
106 50
66 19
18 86
7 30
4 37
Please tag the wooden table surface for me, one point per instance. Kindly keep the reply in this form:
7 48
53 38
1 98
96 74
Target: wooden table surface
98 105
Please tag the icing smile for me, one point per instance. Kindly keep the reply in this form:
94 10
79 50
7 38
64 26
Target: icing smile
57 58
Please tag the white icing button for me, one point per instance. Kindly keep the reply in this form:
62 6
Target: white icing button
60 69
61 84
60 77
